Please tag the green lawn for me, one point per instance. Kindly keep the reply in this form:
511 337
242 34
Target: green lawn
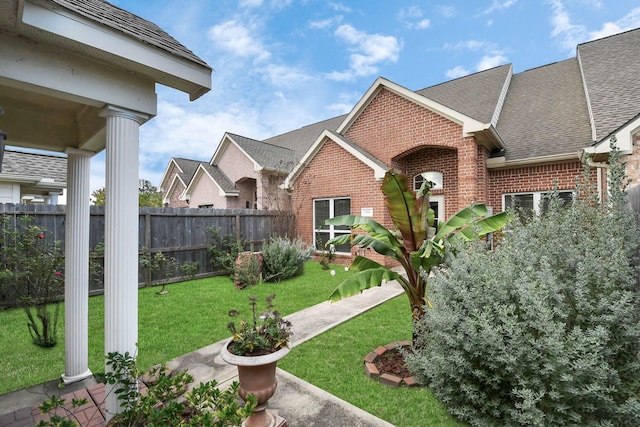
333 361
191 316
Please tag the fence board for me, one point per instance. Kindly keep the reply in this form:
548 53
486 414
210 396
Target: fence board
181 233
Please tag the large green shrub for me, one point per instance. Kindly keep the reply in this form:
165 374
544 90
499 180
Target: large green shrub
545 331
284 258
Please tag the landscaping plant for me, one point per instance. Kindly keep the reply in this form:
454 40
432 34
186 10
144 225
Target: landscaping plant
412 244
224 250
544 331
31 274
164 401
263 333
284 258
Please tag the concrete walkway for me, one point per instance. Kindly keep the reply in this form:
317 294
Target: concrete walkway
297 401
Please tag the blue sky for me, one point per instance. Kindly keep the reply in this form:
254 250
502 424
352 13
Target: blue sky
282 64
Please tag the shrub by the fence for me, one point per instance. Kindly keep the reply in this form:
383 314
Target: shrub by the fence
284 258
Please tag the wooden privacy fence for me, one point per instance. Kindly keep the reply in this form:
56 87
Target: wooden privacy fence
180 233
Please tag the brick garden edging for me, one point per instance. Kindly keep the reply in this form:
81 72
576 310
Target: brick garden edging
387 379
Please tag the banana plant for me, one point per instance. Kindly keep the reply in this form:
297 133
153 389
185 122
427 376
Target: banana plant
416 244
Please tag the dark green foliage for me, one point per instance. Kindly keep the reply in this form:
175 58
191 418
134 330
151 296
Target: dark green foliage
224 250
284 258
247 270
32 276
546 330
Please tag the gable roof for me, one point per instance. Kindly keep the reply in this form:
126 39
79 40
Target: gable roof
299 140
126 22
264 155
378 167
20 166
185 167
545 113
479 95
216 175
610 70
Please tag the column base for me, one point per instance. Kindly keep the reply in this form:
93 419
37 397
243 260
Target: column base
76 378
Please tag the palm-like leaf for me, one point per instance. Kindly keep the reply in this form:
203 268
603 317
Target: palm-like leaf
405 212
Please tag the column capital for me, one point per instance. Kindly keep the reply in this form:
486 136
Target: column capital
79 152
115 111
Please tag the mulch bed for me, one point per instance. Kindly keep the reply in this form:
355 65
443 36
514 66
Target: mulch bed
387 363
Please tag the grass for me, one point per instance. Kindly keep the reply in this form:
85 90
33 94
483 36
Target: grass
191 316
333 361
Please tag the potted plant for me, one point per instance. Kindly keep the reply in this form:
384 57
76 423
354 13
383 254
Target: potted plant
255 348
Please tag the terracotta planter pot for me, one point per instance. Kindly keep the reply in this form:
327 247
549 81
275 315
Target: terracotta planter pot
257 376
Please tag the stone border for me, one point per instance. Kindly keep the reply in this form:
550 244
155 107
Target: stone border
387 379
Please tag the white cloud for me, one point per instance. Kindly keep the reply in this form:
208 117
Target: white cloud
285 76
369 50
413 18
490 61
326 23
473 45
447 11
499 6
455 72
340 7
629 21
234 37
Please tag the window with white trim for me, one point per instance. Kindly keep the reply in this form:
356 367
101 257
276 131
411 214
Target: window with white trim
324 209
532 203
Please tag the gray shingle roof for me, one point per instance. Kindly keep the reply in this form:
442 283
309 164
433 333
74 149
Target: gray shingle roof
300 140
188 167
545 112
223 180
610 67
476 95
19 163
132 25
269 156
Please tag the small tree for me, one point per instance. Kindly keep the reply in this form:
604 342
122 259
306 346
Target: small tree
415 245
32 268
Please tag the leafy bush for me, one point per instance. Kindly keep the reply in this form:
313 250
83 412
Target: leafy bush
284 258
546 330
224 250
167 400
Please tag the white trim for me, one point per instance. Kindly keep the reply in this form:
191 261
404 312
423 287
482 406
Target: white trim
469 125
226 140
331 230
378 170
502 162
166 173
624 139
196 176
170 70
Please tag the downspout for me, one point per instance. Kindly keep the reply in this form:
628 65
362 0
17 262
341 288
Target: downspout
3 137
599 177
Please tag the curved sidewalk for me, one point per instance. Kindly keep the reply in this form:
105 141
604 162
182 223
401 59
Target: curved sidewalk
300 403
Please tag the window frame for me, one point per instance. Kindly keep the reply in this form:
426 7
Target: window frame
332 230
537 198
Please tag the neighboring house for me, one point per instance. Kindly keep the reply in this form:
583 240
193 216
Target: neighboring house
494 137
28 177
243 173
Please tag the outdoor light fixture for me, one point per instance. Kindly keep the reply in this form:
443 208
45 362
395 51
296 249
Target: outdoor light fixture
3 137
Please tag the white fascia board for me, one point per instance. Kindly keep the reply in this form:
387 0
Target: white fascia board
77 28
469 125
257 167
501 162
20 179
624 139
60 74
166 172
378 171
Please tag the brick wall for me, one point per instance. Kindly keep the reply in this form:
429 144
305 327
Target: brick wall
633 162
531 179
175 191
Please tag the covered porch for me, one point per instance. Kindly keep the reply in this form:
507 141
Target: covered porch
79 77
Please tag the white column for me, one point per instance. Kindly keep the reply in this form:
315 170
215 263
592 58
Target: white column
76 267
121 236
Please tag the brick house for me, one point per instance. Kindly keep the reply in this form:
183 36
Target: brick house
494 137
